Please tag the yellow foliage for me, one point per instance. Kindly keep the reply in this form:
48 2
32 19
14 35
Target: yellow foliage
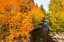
38 16
56 14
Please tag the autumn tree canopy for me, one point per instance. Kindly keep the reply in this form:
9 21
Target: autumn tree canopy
56 15
18 18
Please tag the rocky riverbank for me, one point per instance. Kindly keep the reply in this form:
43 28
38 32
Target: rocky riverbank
58 37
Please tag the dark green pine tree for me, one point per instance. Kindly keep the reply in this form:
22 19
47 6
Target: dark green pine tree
30 1
36 5
41 7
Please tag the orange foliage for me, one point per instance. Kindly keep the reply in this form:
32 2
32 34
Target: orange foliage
16 16
32 5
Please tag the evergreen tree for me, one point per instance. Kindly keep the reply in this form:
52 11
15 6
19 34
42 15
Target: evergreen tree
36 5
41 7
30 1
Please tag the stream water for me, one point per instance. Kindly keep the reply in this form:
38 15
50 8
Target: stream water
40 33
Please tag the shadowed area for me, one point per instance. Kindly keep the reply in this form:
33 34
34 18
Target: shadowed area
40 33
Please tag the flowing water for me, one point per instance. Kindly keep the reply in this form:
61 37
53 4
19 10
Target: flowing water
40 33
